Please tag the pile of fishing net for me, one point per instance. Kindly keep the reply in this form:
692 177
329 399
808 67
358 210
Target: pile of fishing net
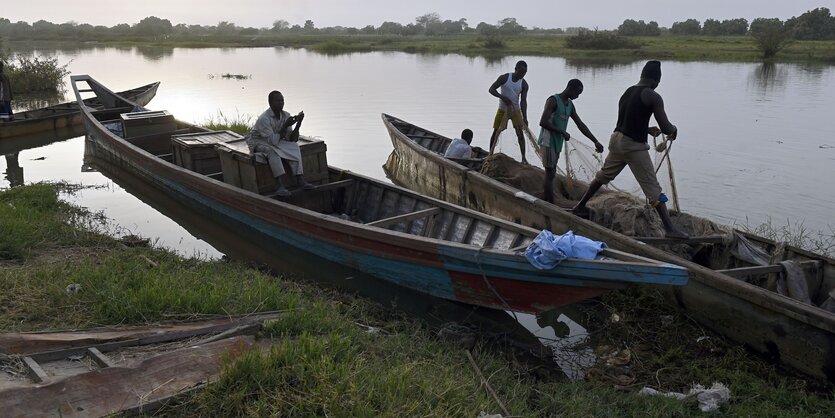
619 211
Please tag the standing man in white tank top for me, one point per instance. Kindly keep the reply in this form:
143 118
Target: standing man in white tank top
513 105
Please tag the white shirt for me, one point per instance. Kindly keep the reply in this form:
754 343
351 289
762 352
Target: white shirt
458 148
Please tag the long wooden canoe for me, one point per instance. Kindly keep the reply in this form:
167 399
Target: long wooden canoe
383 230
65 115
797 334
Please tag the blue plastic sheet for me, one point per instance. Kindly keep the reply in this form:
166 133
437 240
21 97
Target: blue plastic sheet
547 250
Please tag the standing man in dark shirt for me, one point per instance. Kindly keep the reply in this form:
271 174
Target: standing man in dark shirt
628 145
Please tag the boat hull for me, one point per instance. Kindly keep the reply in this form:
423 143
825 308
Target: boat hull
785 330
66 116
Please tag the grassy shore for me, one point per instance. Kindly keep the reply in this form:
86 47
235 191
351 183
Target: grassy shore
324 360
726 48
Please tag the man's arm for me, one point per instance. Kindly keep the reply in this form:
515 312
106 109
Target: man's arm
265 130
652 99
294 135
494 88
523 102
545 120
585 129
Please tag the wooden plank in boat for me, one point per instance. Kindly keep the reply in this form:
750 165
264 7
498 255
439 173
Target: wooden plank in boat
773 268
710 239
382 223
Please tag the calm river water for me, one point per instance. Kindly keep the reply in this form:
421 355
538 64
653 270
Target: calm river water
755 140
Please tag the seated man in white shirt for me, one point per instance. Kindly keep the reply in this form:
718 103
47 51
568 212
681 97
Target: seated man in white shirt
460 147
275 135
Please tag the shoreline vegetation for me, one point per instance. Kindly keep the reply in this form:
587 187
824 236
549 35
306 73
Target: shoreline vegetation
679 48
325 359
808 37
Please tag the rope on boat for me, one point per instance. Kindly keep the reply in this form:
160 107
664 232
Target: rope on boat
490 286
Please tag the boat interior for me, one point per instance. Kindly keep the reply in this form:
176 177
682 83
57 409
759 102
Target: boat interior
225 157
72 107
809 277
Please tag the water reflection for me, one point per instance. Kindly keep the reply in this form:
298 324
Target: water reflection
20 143
599 64
155 53
14 172
38 100
768 76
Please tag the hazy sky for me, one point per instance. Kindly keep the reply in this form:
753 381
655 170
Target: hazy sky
605 14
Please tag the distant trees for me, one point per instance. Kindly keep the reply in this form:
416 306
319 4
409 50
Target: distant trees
817 24
688 27
631 27
153 26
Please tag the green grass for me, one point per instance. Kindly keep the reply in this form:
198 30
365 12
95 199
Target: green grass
334 354
239 123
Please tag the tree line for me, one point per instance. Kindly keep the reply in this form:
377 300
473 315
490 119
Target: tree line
817 24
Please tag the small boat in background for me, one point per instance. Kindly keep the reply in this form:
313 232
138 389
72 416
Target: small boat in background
721 294
66 115
367 225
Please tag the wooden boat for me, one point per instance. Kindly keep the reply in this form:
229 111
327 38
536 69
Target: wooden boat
718 296
127 370
66 115
376 228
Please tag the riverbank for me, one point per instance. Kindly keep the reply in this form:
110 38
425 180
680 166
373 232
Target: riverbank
680 48
325 360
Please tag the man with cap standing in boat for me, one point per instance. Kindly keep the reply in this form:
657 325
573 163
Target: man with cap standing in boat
628 145
513 105
5 96
272 136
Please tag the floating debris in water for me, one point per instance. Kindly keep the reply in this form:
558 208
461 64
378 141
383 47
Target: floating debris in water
231 76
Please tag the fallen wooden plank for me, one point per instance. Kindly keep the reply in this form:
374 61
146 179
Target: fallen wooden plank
43 343
114 389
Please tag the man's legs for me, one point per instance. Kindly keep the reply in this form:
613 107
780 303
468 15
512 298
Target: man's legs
276 167
549 161
493 139
499 124
298 171
521 137
642 168
548 195
614 164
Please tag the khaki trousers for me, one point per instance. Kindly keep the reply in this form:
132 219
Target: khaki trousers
624 151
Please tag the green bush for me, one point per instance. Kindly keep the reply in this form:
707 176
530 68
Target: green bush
494 42
35 75
587 39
